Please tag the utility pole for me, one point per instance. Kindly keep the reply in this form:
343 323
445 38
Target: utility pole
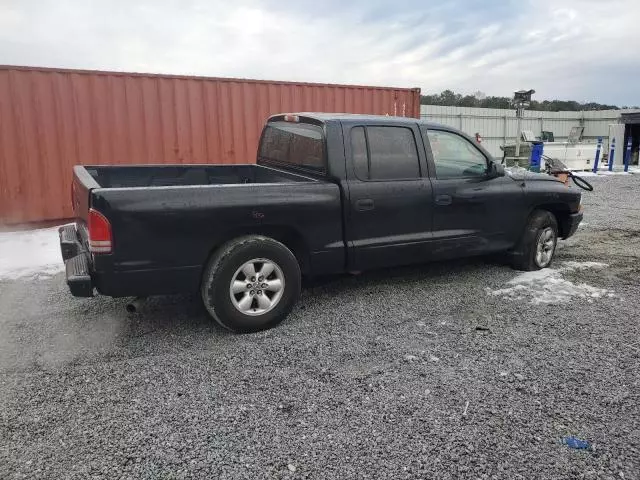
521 100
519 115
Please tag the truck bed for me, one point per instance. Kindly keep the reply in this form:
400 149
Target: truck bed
167 220
186 175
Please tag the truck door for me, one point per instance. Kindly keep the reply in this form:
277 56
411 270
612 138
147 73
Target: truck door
388 221
473 212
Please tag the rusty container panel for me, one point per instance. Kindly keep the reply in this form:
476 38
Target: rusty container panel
51 120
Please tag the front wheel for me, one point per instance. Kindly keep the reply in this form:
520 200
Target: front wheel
536 248
251 284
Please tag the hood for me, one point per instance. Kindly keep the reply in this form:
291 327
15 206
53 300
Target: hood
522 174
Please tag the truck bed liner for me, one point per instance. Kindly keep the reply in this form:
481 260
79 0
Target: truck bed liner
164 176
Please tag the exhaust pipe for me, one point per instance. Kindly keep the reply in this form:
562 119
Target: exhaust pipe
135 305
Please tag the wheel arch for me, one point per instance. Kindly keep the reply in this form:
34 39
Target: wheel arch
287 235
560 211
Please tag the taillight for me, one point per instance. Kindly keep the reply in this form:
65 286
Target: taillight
99 232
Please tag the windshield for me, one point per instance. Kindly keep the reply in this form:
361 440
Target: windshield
298 144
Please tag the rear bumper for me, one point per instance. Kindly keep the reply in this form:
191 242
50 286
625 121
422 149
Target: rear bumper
76 262
571 224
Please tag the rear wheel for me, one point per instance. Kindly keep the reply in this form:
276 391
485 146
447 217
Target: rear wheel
536 248
251 284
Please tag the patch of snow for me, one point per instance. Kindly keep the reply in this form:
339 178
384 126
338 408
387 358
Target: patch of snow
547 286
607 172
570 266
604 171
30 254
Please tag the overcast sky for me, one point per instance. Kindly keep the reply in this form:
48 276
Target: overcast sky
584 50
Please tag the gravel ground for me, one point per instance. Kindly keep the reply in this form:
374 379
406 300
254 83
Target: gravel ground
405 373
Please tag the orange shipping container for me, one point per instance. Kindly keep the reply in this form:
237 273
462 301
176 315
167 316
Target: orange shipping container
53 119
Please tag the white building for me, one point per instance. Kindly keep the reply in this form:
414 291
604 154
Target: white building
498 127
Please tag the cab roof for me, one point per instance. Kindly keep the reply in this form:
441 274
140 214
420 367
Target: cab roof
321 117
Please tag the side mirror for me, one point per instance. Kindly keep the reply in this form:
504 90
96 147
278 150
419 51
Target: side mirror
495 170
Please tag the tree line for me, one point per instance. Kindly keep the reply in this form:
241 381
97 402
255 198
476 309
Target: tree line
452 99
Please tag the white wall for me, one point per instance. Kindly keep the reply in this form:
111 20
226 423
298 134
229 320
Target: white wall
498 126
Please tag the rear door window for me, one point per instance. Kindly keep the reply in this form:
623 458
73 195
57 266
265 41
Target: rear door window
296 144
384 153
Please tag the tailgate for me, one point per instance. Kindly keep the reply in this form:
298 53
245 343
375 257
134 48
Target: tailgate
74 238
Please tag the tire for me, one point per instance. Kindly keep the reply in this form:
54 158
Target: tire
541 232
244 309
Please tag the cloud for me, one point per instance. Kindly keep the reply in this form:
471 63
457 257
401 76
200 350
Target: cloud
563 48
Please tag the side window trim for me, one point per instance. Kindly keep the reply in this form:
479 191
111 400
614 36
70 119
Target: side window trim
365 128
357 165
431 157
368 149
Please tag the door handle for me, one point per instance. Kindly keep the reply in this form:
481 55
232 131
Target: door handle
443 199
365 204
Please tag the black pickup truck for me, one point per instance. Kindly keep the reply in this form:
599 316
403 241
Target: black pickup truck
330 193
